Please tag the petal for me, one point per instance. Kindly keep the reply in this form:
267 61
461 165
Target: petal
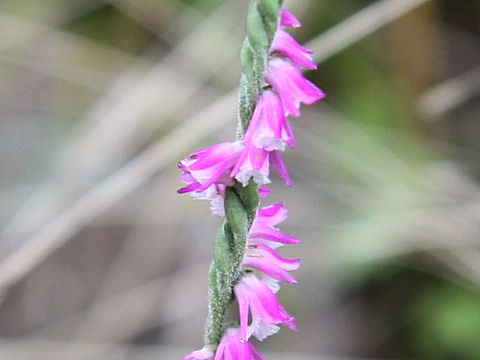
208 194
261 330
271 215
212 155
235 348
270 269
241 293
264 304
279 166
217 206
209 177
264 307
220 349
275 131
202 354
267 233
284 44
269 128
263 191
292 86
271 283
255 353
209 166
189 188
268 261
289 320
253 162
288 19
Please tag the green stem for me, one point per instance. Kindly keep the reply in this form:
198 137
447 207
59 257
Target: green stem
241 203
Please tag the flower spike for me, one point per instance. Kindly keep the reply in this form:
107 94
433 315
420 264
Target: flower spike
232 174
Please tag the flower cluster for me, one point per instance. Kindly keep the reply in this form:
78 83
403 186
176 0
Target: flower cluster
208 172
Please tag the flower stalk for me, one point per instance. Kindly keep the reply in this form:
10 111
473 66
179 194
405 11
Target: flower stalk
232 174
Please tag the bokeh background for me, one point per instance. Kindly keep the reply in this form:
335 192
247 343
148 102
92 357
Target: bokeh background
101 259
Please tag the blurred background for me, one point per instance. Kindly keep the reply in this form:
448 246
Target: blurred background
101 259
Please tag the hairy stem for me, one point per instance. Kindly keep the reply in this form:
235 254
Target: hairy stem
240 202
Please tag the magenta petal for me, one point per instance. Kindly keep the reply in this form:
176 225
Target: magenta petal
274 257
284 44
263 226
225 152
292 86
211 175
268 261
290 320
241 293
220 349
269 128
238 349
266 268
279 166
209 166
267 233
258 158
288 19
275 125
271 215
232 347
288 129
262 302
253 162
202 354
189 188
263 191
256 354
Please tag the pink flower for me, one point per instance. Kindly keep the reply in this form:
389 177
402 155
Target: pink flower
291 85
209 166
202 354
288 19
284 44
264 225
257 298
253 163
206 173
263 258
269 128
232 347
